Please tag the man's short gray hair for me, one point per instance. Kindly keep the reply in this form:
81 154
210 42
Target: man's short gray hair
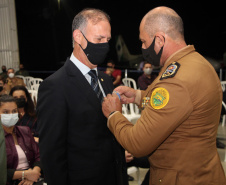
89 14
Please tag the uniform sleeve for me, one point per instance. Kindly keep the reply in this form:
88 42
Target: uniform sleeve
155 123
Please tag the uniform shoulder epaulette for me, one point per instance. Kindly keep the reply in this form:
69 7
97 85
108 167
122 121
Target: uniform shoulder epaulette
170 71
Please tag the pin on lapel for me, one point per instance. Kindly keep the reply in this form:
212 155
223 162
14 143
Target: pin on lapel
102 79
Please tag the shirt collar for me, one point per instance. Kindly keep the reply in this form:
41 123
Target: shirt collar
82 67
180 53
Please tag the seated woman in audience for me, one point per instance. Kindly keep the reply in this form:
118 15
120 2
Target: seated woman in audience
26 109
23 158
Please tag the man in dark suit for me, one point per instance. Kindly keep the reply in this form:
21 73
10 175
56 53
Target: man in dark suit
76 146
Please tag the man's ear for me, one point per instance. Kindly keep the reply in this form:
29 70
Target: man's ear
77 35
160 39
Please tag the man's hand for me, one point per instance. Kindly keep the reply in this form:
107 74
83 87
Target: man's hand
128 156
111 103
128 95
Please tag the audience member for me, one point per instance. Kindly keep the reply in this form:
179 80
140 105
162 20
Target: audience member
2 86
26 109
147 77
23 162
141 162
4 72
22 71
12 81
3 166
115 73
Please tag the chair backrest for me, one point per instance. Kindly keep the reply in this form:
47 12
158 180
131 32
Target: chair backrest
223 85
27 81
35 81
35 87
34 96
129 82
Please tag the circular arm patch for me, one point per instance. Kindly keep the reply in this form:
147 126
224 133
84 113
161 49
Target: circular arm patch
159 98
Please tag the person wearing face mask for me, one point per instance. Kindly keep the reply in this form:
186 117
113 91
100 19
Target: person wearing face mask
180 109
23 161
26 109
73 137
4 72
2 86
12 81
22 71
116 74
147 77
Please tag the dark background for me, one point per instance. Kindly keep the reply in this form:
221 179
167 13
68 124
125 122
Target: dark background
44 27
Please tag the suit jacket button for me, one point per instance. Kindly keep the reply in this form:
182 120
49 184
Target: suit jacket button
160 180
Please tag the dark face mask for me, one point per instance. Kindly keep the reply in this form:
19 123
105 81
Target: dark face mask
1 88
150 55
96 53
21 102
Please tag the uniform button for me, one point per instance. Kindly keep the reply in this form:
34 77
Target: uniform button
160 180
25 151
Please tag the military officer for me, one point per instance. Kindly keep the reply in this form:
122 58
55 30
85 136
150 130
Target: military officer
181 108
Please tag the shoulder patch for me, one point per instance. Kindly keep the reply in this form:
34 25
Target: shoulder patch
159 98
170 71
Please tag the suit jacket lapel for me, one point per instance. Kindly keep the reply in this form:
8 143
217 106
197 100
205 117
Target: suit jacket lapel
78 80
103 83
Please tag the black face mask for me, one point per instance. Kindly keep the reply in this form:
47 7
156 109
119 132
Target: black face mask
150 55
96 53
21 102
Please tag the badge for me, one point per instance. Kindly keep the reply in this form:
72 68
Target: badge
159 98
170 71
145 101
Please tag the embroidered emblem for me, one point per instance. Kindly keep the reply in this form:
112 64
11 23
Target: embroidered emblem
170 71
145 102
159 98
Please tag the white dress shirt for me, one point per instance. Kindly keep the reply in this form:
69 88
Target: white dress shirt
84 70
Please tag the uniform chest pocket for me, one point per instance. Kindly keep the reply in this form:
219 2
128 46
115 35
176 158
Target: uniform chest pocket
163 176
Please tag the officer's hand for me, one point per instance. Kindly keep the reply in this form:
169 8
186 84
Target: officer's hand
110 104
127 94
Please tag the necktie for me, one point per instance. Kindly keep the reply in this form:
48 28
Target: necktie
95 84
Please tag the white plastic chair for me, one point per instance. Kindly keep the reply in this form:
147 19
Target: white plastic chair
35 81
131 110
223 85
224 115
34 87
27 81
134 169
34 95
129 82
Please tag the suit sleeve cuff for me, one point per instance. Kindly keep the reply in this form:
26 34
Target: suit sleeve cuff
110 117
